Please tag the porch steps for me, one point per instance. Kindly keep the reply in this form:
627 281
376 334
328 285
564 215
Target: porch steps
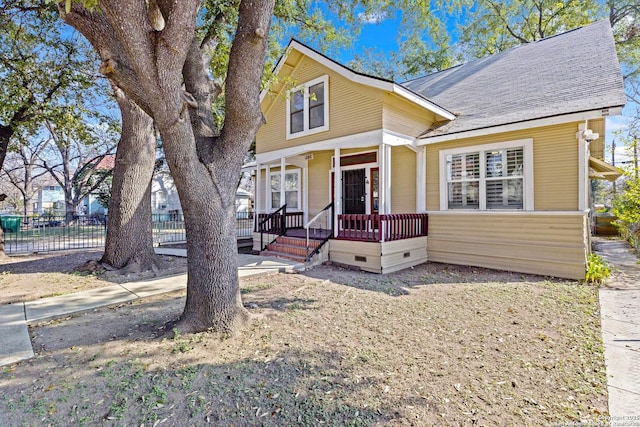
292 248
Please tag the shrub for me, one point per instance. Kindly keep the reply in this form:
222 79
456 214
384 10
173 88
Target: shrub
626 207
597 270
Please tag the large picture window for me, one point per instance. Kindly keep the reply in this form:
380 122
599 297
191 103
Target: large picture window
308 108
291 190
490 177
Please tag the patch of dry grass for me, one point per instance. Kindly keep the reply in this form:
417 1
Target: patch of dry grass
370 350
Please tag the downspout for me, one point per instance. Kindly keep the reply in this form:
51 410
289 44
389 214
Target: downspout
582 164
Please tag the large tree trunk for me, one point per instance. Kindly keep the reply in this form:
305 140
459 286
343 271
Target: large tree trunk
129 241
208 203
213 294
147 65
213 291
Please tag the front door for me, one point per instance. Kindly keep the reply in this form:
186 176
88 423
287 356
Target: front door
353 192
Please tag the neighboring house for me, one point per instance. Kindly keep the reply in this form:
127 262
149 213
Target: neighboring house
244 203
164 195
49 196
91 205
165 200
484 164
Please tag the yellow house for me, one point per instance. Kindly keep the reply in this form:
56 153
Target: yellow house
485 164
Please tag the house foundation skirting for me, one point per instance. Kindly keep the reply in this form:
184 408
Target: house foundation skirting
379 257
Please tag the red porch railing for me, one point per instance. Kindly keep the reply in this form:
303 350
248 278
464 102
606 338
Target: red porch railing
382 228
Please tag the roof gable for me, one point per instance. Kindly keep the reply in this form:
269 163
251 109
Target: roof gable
297 48
573 72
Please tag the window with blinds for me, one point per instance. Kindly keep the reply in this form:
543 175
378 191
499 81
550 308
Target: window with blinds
504 178
490 179
464 180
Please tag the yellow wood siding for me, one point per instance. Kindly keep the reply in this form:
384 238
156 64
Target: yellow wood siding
545 244
403 180
555 164
319 181
353 109
404 118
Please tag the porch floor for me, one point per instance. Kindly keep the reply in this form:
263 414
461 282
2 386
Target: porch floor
314 233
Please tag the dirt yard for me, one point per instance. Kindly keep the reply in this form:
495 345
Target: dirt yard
432 345
30 277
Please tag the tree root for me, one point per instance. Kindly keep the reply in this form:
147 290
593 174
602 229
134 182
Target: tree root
182 326
136 265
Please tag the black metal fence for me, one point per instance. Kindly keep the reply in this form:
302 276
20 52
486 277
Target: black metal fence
28 234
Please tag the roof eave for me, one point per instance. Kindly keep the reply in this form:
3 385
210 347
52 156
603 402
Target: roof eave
423 102
519 125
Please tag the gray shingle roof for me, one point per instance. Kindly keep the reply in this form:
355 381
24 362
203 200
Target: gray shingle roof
572 72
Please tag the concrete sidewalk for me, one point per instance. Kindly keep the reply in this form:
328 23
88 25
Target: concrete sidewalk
620 313
15 343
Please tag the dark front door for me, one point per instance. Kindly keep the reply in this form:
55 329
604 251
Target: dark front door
353 192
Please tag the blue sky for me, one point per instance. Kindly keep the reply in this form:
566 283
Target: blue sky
381 32
378 32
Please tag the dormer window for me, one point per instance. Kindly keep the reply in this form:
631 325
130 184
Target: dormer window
308 108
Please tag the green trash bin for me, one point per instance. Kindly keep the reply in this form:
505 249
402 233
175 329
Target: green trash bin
11 223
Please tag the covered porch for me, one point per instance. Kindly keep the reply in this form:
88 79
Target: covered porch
367 188
371 242
371 169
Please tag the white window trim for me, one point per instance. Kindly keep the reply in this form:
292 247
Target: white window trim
270 199
528 196
305 88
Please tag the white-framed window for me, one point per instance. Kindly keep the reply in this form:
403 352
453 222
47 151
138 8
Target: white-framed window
488 177
308 108
291 189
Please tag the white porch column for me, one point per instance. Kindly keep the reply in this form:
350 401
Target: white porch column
421 179
283 164
267 188
385 179
337 189
258 194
